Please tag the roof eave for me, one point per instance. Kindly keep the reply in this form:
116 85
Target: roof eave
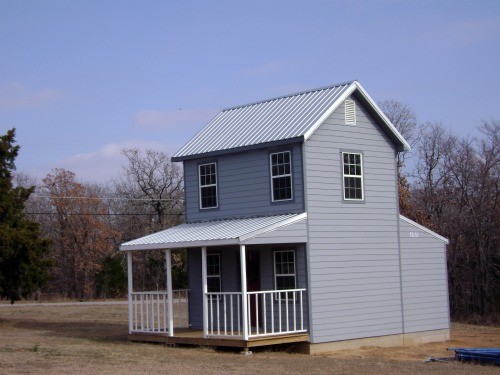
355 86
180 245
238 149
403 144
424 229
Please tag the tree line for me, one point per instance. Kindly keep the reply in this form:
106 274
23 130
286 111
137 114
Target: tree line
448 183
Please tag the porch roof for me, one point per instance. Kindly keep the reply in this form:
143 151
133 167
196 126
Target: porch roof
213 233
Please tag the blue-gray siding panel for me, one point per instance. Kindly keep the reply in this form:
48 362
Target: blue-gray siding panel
353 248
230 278
244 187
425 282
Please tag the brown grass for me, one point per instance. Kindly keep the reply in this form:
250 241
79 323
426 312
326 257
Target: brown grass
92 340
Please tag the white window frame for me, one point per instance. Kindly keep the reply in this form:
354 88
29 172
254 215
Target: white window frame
215 276
280 176
360 176
294 274
200 186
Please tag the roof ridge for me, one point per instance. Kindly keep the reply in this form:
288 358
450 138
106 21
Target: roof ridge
346 83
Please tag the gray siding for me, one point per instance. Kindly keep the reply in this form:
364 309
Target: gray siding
425 282
355 282
244 187
293 233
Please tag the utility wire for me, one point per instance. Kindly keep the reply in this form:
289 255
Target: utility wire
98 214
102 198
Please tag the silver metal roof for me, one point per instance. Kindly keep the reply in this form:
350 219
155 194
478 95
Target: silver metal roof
270 120
211 233
279 119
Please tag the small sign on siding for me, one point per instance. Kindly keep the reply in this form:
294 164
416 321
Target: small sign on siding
414 234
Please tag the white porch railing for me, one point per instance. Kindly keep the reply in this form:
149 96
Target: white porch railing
224 314
150 311
275 312
272 312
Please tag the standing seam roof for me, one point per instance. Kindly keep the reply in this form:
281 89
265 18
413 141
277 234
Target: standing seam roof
262 122
212 230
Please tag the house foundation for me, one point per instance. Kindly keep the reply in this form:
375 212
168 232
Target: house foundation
403 339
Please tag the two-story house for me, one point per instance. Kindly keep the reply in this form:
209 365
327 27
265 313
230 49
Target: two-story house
293 233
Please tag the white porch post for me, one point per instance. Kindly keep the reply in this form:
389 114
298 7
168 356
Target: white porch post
244 308
204 289
130 290
170 294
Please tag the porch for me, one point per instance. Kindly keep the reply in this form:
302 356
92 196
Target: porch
234 307
232 319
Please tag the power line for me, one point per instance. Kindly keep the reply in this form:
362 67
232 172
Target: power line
105 198
99 214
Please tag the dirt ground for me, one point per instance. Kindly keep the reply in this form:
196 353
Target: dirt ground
89 339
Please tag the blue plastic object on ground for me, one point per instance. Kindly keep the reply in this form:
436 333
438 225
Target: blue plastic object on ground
483 355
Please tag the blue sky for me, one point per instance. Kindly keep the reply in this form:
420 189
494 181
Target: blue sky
81 80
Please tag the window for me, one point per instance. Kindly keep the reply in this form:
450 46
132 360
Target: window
281 176
284 270
350 112
208 185
213 273
353 175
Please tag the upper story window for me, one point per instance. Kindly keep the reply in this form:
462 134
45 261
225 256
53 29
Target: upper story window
284 270
281 176
352 170
213 273
208 185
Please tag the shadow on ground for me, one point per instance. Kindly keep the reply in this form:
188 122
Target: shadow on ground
85 330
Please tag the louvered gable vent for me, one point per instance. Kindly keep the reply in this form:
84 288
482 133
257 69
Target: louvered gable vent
350 112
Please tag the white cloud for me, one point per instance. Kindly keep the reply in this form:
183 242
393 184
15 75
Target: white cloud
16 96
101 165
174 119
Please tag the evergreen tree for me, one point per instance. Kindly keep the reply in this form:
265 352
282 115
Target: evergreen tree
23 262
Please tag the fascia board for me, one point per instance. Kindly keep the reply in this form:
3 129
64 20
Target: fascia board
180 245
272 227
424 229
388 122
330 110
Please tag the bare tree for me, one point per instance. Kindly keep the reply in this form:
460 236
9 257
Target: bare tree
456 192
153 186
405 121
151 198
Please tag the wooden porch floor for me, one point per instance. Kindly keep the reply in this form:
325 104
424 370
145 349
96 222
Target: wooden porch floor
187 336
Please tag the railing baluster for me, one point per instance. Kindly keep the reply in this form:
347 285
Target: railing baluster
240 329
301 313
279 310
256 296
225 316
264 312
294 312
232 311
287 319
272 294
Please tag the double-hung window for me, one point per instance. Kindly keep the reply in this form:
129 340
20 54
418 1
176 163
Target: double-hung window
281 176
284 270
352 170
208 185
213 273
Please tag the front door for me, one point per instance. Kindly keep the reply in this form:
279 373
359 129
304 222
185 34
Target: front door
253 284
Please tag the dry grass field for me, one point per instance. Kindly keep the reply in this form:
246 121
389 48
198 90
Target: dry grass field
91 339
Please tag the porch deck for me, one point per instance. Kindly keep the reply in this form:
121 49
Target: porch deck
186 336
